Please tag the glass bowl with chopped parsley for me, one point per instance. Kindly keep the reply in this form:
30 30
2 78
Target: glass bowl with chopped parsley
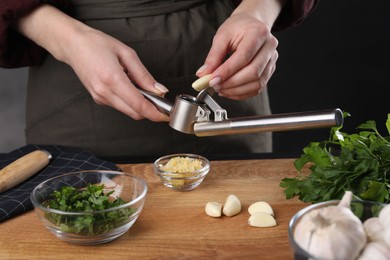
182 172
89 207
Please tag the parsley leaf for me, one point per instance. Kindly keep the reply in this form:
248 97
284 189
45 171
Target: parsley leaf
359 162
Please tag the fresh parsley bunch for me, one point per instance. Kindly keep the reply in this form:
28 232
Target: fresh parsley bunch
358 162
86 201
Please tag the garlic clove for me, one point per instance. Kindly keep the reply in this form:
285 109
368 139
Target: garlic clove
375 250
232 206
260 206
201 83
261 219
213 209
374 229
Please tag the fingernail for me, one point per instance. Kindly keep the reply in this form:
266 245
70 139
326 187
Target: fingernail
215 81
201 69
217 88
161 87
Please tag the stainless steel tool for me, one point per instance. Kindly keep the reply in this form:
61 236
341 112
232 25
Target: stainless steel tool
202 116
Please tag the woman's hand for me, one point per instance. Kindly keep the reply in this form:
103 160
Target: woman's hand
246 38
105 66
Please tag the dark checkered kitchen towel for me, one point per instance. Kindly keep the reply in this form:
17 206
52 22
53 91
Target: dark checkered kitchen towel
64 159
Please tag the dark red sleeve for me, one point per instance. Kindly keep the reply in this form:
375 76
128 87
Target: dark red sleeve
293 13
15 49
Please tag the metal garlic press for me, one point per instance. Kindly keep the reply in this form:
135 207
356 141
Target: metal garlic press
203 116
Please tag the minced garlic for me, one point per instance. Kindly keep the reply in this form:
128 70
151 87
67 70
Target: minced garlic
182 164
180 171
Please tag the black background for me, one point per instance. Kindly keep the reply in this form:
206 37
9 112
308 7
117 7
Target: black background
337 58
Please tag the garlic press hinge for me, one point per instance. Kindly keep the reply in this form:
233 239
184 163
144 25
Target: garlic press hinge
205 96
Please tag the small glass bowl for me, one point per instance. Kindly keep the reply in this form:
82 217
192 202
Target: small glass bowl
181 181
96 227
362 209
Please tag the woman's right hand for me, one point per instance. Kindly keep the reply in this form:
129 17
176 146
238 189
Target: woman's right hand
105 66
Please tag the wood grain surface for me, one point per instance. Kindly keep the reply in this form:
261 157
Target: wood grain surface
173 224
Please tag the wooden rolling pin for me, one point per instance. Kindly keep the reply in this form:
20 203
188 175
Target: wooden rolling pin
23 168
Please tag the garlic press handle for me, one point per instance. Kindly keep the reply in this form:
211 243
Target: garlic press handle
162 104
271 123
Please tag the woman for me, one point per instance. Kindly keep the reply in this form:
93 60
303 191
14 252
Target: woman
87 56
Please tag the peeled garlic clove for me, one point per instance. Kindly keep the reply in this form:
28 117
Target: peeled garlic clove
384 216
213 209
375 250
261 219
374 229
201 83
260 206
232 206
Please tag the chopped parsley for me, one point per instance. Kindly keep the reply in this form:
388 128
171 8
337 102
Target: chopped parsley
90 199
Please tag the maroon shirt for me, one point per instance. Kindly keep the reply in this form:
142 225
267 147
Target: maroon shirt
18 51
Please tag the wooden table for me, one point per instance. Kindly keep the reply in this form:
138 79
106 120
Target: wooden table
174 225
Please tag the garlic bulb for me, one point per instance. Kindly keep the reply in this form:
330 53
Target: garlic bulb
374 229
378 228
384 222
386 236
384 216
375 250
331 232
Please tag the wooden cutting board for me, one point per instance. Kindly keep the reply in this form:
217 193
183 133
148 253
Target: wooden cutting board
173 224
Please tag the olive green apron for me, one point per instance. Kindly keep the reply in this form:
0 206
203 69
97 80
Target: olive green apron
172 39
